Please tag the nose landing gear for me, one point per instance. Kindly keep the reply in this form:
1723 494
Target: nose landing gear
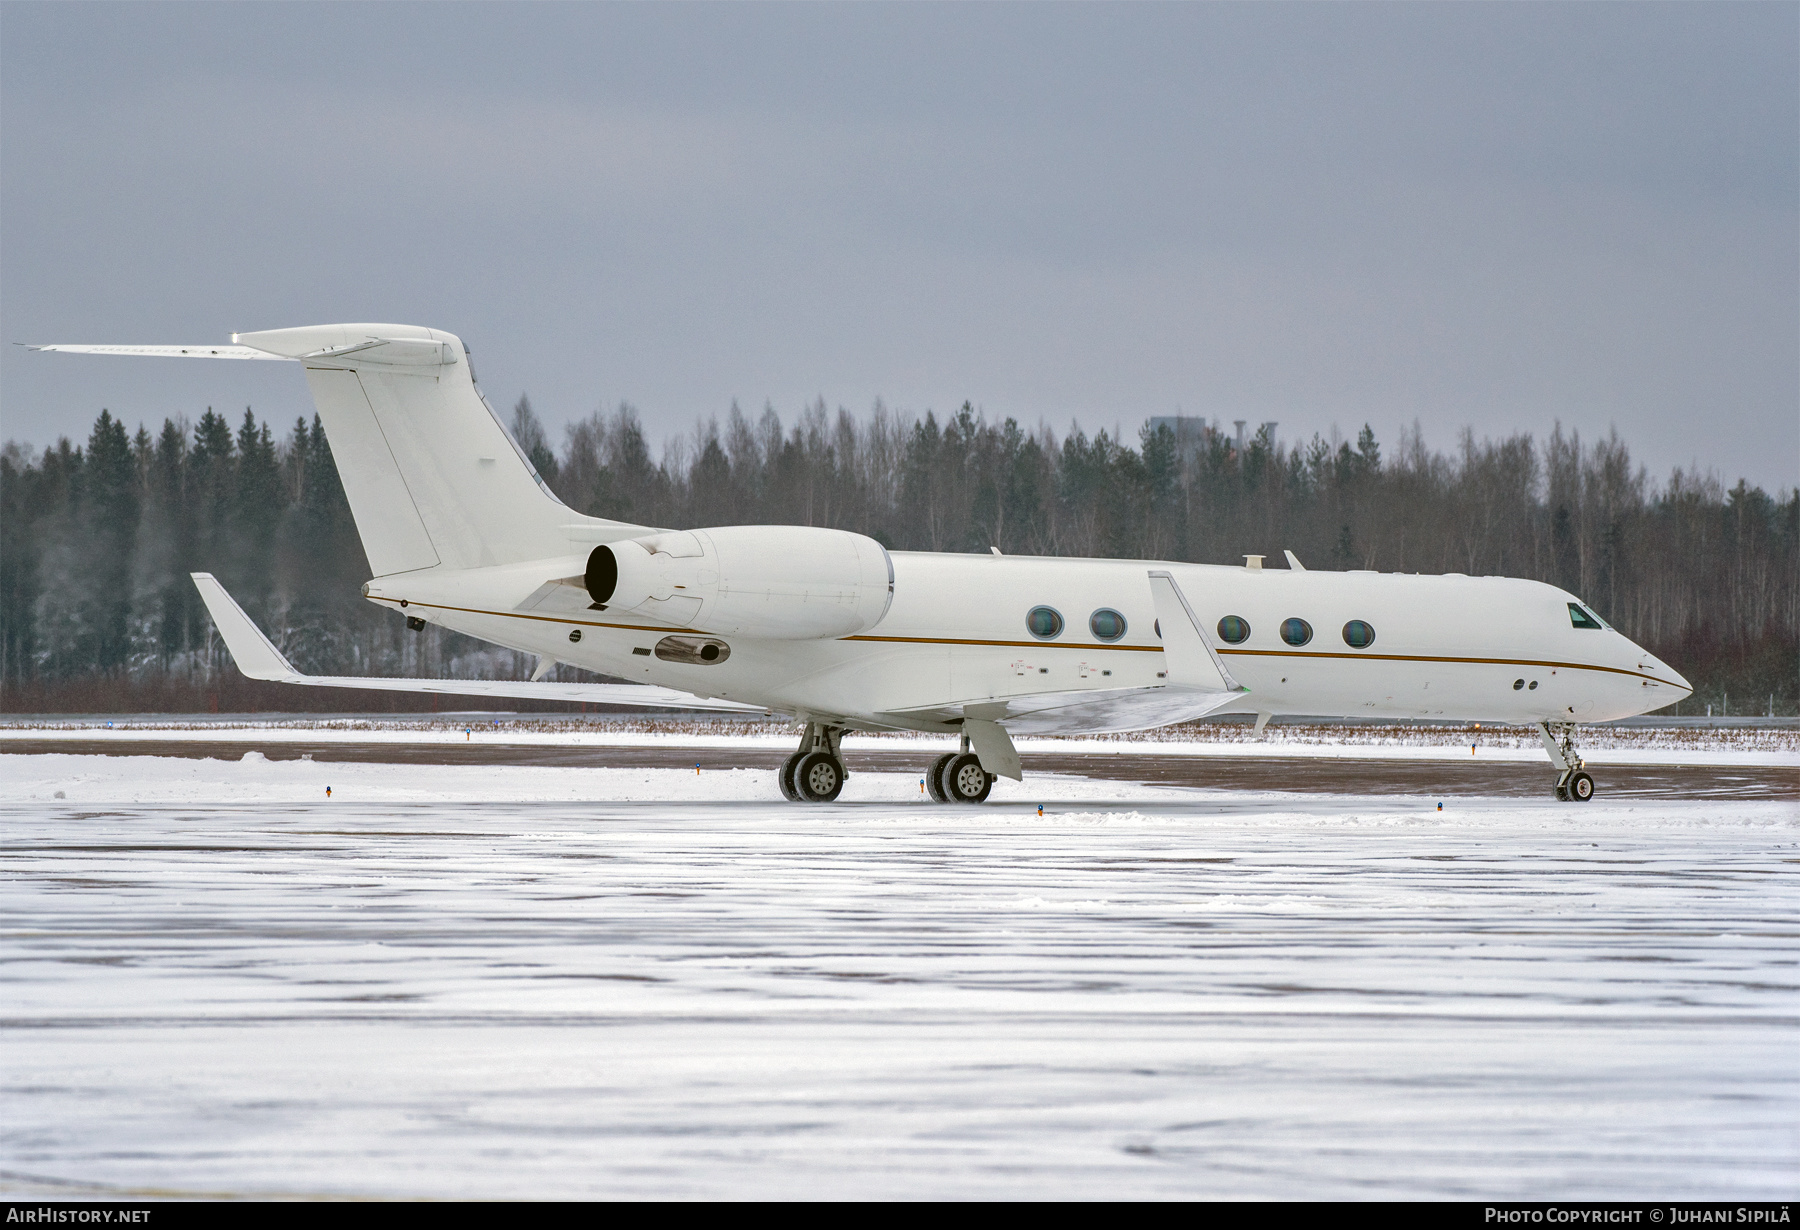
1573 784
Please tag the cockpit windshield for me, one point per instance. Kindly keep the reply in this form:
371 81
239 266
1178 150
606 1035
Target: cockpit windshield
1581 617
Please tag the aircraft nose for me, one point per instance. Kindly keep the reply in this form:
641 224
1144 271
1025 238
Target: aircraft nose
1655 666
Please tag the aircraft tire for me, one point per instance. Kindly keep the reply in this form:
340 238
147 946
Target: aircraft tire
819 777
784 777
965 781
1581 788
1562 793
934 777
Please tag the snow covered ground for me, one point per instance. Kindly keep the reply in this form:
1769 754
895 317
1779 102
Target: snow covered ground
255 780
1698 744
518 981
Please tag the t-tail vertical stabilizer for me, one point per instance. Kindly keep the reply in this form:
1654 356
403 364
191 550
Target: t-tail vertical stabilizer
432 476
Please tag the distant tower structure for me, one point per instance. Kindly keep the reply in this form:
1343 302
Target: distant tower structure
1190 432
1241 439
1192 435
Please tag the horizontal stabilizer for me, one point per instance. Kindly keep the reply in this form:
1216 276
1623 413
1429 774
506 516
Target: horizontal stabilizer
352 346
171 352
258 658
1191 661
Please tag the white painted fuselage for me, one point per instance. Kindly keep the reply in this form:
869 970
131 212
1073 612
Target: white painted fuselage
1454 647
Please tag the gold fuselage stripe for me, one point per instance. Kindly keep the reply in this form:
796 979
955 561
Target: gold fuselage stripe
1092 647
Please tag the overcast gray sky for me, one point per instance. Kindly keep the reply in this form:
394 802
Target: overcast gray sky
1486 215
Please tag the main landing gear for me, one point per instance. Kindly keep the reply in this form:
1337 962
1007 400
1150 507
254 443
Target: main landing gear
815 773
1572 781
957 777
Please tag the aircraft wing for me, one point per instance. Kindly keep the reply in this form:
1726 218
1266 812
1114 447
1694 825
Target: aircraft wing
257 657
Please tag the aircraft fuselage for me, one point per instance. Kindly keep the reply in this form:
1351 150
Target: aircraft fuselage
1454 647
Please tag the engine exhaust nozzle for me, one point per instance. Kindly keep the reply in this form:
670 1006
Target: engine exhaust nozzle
602 575
624 574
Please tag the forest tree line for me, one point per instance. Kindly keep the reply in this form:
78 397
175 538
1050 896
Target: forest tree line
97 540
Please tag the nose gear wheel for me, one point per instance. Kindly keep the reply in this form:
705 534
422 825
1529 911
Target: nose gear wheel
1573 783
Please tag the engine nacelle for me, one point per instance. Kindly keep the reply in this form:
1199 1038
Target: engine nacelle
778 582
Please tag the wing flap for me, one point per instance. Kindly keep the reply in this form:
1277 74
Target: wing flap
1090 711
634 694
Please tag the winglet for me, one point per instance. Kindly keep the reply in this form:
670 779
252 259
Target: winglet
253 652
1192 660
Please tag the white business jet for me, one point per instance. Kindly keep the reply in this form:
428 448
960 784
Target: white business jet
834 630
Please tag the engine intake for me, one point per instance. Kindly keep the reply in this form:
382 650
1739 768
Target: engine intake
777 582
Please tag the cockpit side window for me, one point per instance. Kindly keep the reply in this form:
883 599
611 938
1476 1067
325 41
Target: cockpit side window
1581 617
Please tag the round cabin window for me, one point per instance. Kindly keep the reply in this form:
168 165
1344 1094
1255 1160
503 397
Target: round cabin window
1106 624
1043 622
1296 631
1234 630
1358 635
